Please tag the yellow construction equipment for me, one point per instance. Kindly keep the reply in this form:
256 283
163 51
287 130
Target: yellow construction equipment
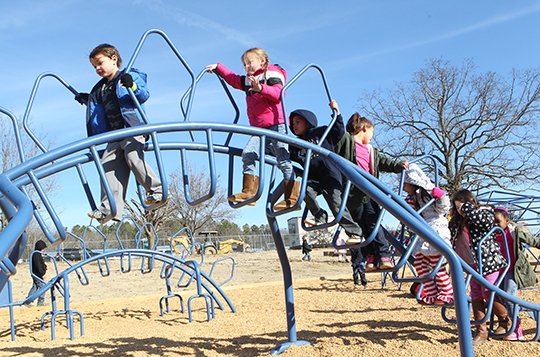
183 243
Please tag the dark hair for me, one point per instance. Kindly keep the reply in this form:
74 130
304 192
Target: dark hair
503 211
357 123
465 196
108 51
462 196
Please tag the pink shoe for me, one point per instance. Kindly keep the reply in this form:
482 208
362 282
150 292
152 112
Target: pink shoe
514 336
517 335
386 263
370 263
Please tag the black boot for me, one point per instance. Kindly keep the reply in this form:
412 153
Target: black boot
359 277
363 279
356 277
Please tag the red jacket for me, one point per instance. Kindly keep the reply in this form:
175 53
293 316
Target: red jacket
264 109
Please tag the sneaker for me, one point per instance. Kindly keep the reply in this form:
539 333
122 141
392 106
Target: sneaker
355 239
97 215
427 300
514 336
41 303
321 217
443 300
386 263
152 198
370 263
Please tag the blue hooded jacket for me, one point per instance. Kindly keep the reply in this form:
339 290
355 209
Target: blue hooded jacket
96 120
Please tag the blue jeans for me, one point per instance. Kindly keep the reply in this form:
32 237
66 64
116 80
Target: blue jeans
366 216
510 286
36 286
250 154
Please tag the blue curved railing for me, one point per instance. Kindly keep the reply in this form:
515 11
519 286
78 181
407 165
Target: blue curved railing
18 207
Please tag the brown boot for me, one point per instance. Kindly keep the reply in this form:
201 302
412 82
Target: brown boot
504 320
479 313
292 191
250 185
481 335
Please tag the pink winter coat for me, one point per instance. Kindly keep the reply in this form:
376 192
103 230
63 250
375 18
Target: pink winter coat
264 109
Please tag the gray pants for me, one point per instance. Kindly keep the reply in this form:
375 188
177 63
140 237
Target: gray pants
119 159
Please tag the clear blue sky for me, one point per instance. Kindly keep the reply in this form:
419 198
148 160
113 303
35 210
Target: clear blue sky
361 46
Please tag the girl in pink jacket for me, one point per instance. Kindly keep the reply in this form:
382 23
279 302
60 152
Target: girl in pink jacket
262 83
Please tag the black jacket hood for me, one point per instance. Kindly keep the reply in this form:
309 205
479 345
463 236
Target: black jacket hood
40 245
308 116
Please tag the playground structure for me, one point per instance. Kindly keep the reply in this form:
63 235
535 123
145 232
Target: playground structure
83 155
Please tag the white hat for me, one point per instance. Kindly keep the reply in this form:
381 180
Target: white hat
415 176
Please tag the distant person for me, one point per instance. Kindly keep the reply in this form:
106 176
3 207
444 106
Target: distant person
262 84
469 224
341 252
420 191
354 145
324 178
38 270
521 274
306 249
109 107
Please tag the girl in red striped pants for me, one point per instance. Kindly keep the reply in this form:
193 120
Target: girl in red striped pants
420 190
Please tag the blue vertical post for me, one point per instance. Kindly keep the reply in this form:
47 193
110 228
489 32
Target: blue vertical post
288 285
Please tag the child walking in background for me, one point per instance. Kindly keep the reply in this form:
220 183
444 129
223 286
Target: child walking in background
342 252
324 178
109 107
354 145
521 274
469 224
306 249
420 190
39 268
262 84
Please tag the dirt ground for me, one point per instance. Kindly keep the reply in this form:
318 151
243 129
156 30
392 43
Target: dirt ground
122 316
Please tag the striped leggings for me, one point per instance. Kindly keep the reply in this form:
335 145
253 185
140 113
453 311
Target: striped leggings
438 288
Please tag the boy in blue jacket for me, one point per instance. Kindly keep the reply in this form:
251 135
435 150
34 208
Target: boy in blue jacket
109 107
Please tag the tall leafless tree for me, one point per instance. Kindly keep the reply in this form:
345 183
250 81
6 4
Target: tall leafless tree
205 214
480 127
10 157
209 212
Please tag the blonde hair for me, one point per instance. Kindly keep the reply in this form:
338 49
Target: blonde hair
259 52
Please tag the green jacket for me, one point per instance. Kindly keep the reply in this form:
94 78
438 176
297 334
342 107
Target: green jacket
346 148
524 274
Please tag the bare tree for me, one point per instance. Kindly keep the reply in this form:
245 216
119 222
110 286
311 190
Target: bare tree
206 213
10 157
481 128
209 212
152 218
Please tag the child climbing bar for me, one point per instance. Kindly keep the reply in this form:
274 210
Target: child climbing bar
262 84
109 107
420 190
521 274
469 224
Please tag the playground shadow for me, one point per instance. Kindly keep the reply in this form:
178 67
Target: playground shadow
245 345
